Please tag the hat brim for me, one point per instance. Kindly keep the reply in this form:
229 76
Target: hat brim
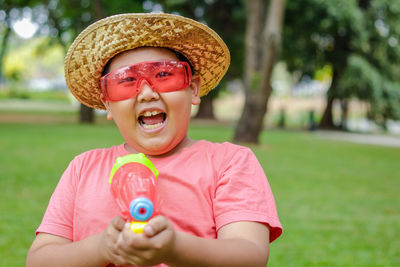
101 41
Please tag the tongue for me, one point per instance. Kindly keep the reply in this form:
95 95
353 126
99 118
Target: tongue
153 119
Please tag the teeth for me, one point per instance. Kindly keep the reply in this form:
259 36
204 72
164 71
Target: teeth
150 113
152 126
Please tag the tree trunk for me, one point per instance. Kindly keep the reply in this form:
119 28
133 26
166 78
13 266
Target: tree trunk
344 104
327 117
86 114
262 45
206 110
251 120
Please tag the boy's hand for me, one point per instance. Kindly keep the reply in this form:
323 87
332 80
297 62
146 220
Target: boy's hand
149 248
108 241
123 247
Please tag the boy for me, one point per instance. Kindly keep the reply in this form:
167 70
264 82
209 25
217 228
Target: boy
217 208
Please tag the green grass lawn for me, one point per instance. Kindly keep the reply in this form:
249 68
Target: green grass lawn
338 202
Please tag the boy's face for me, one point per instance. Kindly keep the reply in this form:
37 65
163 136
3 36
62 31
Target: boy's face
152 123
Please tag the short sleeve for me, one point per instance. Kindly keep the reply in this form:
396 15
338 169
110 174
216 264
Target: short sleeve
58 218
243 192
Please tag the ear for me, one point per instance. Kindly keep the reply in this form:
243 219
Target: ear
195 87
107 105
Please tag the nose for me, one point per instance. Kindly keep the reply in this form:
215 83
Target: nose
146 92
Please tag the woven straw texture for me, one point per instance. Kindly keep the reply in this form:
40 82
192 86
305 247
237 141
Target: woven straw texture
104 39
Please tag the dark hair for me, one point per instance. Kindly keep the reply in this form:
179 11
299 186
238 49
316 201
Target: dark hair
179 55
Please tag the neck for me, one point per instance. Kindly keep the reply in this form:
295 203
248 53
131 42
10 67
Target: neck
186 142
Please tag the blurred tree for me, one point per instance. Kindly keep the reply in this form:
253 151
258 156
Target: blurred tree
6 7
60 19
263 35
358 39
322 34
5 28
376 63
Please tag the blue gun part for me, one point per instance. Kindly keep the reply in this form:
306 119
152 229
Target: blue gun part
141 209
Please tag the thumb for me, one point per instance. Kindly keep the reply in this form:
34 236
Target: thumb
118 223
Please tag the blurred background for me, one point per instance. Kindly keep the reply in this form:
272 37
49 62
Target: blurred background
306 77
323 64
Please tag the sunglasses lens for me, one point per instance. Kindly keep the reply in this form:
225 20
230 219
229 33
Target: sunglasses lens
162 76
116 88
170 76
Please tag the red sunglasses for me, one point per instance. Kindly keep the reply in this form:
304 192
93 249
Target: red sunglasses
162 76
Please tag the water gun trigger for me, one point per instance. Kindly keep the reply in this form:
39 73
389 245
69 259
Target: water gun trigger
137 227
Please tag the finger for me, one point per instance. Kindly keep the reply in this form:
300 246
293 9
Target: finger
118 223
114 228
156 225
129 241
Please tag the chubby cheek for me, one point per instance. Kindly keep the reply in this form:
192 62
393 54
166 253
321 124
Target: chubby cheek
123 114
178 101
123 108
179 110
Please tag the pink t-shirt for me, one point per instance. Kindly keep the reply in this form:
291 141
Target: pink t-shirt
203 188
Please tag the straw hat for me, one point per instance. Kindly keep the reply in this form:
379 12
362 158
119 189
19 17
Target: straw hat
104 39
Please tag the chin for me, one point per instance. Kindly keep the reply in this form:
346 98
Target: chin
155 150
157 146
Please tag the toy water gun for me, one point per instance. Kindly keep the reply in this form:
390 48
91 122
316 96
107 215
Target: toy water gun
133 185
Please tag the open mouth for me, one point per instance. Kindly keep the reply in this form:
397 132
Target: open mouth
150 120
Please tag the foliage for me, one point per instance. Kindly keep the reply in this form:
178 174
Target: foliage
29 59
373 87
379 62
68 18
347 216
358 39
318 32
